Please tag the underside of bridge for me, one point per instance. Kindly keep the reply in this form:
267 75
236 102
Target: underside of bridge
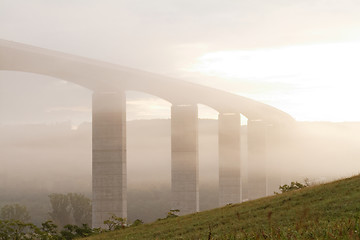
109 81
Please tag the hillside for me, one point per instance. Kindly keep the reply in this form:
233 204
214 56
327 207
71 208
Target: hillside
325 211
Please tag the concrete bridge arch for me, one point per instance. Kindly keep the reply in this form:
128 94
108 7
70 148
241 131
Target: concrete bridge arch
109 83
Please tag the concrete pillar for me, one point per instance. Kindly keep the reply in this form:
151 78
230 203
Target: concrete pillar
184 158
256 159
109 157
229 158
276 145
281 148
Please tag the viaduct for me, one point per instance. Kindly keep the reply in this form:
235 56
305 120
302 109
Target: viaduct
109 83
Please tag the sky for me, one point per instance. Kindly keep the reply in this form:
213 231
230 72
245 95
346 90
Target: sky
300 56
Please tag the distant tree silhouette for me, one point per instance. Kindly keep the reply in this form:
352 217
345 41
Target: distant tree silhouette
71 208
14 212
81 209
61 209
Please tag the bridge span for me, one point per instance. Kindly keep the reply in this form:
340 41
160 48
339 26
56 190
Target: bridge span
109 83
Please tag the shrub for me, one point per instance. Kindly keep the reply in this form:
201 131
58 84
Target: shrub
293 186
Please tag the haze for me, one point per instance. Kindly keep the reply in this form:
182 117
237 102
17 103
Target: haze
298 56
294 55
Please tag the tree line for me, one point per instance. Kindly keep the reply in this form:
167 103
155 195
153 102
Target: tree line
70 218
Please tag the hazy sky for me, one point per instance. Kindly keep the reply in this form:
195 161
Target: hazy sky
300 56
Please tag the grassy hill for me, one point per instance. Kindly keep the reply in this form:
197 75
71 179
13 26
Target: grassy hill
328 211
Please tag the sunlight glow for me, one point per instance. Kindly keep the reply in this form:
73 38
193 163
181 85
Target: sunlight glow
324 78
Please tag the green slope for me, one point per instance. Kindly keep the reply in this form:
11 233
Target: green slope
328 211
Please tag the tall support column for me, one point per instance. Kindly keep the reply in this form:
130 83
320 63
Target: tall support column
109 157
229 158
184 158
256 159
276 145
281 148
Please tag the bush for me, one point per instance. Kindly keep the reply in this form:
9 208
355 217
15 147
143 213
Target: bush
137 222
293 186
173 213
115 223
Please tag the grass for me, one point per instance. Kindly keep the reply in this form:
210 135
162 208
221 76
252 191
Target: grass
328 211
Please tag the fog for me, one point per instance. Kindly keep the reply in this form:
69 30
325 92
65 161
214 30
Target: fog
298 56
307 51
320 151
40 159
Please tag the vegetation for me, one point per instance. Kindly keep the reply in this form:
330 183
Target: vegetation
293 186
137 222
115 223
15 212
329 211
70 208
173 213
80 208
66 208
147 203
15 229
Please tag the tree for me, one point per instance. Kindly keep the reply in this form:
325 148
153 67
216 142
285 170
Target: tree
15 229
71 208
14 212
73 231
61 209
48 230
115 223
81 208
